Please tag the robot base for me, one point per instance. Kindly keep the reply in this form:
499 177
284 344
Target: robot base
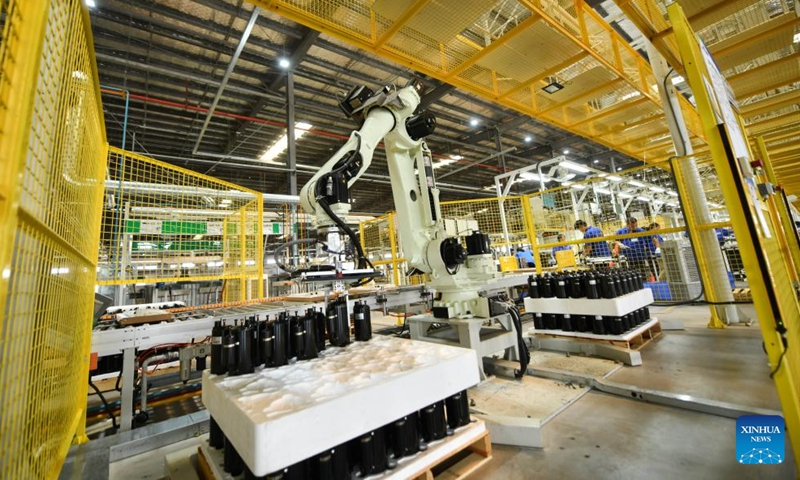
486 336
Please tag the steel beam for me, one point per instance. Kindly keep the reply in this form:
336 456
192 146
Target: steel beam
242 42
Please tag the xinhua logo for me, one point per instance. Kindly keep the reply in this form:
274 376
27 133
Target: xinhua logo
760 439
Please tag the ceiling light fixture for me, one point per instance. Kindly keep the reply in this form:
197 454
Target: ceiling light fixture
596 162
644 199
447 161
573 166
672 193
91 3
614 178
566 151
619 169
635 183
578 186
528 139
284 63
300 129
658 189
628 96
624 195
552 87
473 122
602 191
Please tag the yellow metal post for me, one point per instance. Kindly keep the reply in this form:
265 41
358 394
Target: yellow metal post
775 300
694 228
259 244
783 213
530 230
243 253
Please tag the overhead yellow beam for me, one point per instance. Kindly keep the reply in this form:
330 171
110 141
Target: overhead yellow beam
401 21
348 24
549 72
754 125
769 104
793 147
633 125
492 47
790 22
698 16
759 70
792 133
610 111
587 94
555 24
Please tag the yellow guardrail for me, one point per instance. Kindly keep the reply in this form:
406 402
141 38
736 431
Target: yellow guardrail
163 223
52 156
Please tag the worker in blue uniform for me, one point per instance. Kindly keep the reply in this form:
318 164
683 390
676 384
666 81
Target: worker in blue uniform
636 250
525 258
593 249
655 240
559 248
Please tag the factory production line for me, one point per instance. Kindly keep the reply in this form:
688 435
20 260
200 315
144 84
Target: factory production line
465 293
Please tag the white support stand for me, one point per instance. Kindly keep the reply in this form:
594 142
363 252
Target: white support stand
126 400
485 336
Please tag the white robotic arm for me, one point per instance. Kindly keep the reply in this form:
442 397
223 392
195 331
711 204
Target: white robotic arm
457 274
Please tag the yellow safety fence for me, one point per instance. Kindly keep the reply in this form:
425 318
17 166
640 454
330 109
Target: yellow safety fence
52 156
658 243
382 247
163 223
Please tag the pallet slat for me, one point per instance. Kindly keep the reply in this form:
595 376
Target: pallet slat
480 453
631 340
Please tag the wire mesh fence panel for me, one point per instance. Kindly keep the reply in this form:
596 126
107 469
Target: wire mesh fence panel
503 219
635 220
52 151
382 248
162 223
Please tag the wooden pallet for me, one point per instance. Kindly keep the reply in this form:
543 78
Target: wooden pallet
460 463
631 341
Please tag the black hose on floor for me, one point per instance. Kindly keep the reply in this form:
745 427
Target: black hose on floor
522 347
105 404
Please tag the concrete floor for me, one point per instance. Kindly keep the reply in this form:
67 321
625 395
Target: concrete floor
605 436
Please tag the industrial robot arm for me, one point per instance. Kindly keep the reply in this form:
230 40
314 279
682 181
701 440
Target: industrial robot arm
389 115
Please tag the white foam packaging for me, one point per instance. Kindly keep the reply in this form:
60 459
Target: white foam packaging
276 417
611 307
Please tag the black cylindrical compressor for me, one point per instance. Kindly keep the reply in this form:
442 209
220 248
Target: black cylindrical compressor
362 323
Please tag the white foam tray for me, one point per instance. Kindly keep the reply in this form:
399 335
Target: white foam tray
611 307
625 337
277 417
